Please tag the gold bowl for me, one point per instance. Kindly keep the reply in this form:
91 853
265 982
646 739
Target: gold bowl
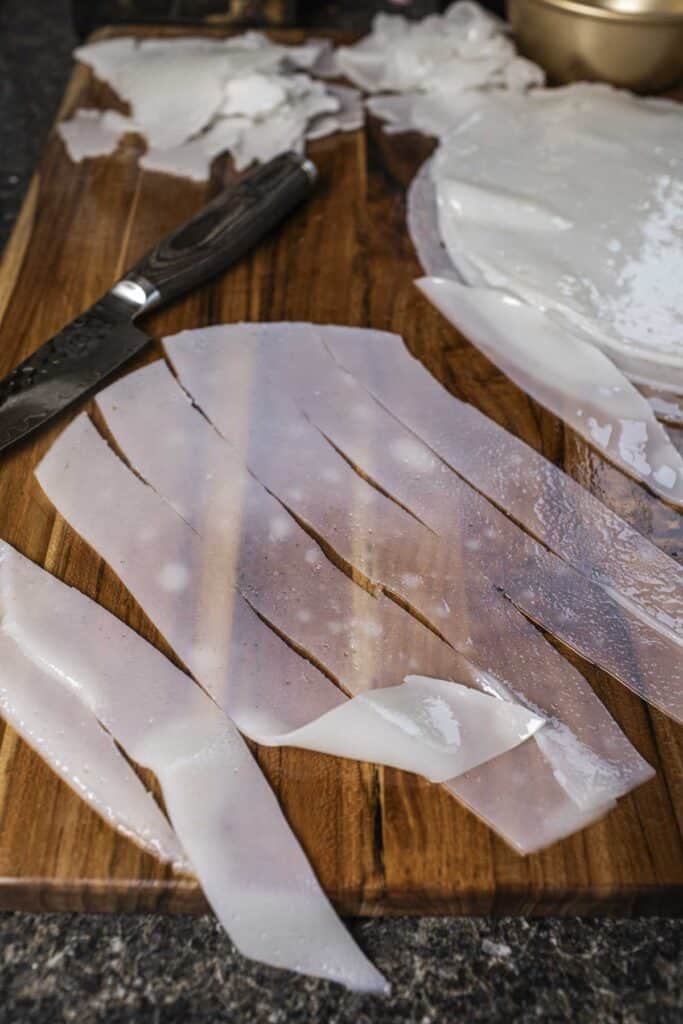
635 44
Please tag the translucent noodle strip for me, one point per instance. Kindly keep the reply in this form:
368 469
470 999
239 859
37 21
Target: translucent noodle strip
363 527
221 807
567 375
366 642
53 720
516 478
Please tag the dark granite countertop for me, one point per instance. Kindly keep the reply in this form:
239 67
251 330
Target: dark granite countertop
157 969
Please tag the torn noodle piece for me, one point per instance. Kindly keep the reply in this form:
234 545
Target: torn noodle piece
195 98
92 133
465 45
176 86
349 117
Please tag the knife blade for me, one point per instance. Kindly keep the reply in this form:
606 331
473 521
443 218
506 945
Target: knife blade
75 361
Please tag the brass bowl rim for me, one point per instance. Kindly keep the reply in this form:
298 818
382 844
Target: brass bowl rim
593 10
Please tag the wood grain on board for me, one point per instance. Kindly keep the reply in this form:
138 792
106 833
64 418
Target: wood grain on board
382 841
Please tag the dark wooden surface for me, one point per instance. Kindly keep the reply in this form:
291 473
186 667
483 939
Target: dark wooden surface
381 841
349 15
89 15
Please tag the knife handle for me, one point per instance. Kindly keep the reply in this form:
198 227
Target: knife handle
228 227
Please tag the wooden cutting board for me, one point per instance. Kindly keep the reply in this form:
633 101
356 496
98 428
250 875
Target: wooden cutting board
382 842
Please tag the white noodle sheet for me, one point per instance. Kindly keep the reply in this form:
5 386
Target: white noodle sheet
503 204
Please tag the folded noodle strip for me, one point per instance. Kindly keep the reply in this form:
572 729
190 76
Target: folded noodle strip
251 867
52 719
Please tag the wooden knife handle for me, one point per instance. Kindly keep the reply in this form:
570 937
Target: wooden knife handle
225 229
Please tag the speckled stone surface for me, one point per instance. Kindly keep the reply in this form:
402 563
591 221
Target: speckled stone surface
157 970
35 62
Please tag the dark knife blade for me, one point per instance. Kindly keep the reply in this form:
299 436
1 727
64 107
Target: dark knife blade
67 367
74 362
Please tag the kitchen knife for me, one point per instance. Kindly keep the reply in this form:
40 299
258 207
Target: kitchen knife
97 342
